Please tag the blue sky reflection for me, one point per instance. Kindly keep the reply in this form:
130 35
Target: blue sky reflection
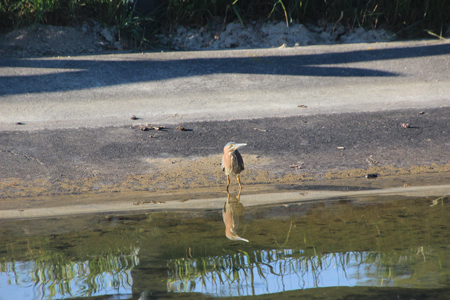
283 270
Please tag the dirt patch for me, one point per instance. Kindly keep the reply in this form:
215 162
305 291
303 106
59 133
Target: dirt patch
204 173
163 174
293 155
42 40
270 35
422 185
387 171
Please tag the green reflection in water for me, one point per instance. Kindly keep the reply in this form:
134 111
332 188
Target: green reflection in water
364 242
67 257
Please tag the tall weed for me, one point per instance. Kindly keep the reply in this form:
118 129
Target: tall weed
408 18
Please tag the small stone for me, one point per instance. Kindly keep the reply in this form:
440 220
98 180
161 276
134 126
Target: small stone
108 34
371 176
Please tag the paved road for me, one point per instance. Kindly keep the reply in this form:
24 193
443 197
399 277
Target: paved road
105 90
76 135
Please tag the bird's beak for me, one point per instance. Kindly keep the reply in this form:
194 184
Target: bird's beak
236 146
238 238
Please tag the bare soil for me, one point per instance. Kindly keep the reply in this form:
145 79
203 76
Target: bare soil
43 40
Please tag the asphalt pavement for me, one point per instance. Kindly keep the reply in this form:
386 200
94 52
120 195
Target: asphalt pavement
317 117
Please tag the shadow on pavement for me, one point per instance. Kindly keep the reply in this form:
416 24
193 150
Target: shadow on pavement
84 74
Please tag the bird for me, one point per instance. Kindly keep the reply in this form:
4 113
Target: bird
232 162
233 213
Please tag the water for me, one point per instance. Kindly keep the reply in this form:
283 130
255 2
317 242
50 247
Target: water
365 248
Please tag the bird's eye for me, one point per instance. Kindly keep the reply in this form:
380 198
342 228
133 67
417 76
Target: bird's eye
231 145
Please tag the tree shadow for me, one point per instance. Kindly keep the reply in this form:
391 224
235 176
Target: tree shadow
78 74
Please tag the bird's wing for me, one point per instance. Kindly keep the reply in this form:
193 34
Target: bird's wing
240 161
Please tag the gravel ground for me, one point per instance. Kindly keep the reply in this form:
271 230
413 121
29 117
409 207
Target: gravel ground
42 40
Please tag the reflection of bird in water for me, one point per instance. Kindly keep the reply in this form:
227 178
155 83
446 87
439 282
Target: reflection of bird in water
232 162
233 213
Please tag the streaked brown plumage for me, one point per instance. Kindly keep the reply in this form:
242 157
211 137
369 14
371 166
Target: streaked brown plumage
232 162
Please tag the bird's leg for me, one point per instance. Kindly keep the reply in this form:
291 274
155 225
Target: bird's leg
228 182
239 181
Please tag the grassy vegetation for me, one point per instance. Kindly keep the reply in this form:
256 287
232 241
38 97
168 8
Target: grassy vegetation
17 13
409 18
406 18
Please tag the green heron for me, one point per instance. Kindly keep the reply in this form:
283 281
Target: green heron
233 213
232 162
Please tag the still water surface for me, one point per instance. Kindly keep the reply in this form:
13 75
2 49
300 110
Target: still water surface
365 248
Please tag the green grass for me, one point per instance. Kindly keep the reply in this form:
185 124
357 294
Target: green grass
407 18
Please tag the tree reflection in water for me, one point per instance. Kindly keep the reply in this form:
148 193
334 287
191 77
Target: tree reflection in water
274 271
53 275
394 263
398 243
